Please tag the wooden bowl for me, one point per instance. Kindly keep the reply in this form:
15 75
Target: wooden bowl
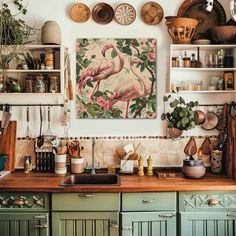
181 29
224 33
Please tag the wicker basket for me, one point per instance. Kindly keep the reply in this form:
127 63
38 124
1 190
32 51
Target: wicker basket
181 29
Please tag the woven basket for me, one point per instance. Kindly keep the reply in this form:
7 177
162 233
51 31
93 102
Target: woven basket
181 29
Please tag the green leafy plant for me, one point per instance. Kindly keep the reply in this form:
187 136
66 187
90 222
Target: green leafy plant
181 115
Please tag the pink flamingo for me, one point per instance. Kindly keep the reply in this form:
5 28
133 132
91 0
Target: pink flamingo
101 69
137 87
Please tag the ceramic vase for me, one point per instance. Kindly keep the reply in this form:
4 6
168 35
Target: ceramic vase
51 33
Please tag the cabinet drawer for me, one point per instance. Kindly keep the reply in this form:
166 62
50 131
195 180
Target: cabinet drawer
24 202
162 201
85 201
207 201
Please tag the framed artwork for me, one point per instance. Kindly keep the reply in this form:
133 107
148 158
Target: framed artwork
116 78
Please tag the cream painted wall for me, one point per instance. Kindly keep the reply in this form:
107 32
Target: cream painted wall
43 10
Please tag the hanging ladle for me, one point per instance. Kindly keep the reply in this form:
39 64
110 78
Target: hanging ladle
40 140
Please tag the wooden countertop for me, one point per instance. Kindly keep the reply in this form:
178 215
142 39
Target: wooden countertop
48 182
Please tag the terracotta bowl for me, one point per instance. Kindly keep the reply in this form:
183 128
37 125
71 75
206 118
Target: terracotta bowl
224 33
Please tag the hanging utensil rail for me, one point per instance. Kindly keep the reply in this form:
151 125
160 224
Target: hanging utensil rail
33 105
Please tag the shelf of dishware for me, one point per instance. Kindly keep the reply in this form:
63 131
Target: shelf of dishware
202 68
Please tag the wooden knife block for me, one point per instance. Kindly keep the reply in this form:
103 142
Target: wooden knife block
8 145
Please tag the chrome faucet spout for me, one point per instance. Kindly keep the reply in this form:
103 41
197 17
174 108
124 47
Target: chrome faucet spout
93 172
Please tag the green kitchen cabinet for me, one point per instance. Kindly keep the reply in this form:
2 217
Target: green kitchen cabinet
24 224
85 214
207 213
208 224
148 223
148 214
85 223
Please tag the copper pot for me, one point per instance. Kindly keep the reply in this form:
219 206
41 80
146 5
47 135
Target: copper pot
200 116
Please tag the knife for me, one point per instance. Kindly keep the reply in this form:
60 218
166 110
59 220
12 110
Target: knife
6 118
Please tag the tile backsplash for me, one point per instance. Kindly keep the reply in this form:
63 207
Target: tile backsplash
165 152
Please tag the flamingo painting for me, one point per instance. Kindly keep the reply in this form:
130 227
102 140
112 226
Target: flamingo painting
101 69
116 78
135 87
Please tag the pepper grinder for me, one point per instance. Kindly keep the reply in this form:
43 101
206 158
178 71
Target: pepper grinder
140 167
149 169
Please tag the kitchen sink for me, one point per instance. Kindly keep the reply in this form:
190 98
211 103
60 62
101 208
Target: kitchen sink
91 179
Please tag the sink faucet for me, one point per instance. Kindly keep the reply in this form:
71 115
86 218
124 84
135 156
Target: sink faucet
93 157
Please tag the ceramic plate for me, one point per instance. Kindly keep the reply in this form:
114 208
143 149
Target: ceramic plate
103 13
197 9
125 14
80 12
152 13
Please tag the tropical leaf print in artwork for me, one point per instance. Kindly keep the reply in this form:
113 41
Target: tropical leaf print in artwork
116 78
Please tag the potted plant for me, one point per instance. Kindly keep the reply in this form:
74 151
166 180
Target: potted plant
14 32
180 116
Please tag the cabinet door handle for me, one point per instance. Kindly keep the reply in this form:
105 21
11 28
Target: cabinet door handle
149 201
213 202
42 226
167 215
231 214
114 226
127 228
87 195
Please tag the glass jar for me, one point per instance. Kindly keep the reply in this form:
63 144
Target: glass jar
173 62
53 84
49 59
28 85
187 62
39 84
179 61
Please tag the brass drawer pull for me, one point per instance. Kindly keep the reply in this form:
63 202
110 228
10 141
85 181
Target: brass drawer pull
40 217
149 201
87 195
213 202
127 228
167 215
42 226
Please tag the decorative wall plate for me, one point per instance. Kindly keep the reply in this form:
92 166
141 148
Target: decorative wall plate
125 14
197 9
152 13
103 13
80 12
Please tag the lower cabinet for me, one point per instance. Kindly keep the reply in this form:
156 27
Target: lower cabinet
148 214
148 224
85 214
208 224
85 223
207 213
23 224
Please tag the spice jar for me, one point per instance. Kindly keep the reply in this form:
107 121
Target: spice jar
49 59
179 61
53 84
187 62
173 62
39 84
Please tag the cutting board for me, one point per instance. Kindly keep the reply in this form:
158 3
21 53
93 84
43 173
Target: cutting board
8 145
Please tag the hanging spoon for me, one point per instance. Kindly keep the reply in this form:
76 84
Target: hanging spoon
40 140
